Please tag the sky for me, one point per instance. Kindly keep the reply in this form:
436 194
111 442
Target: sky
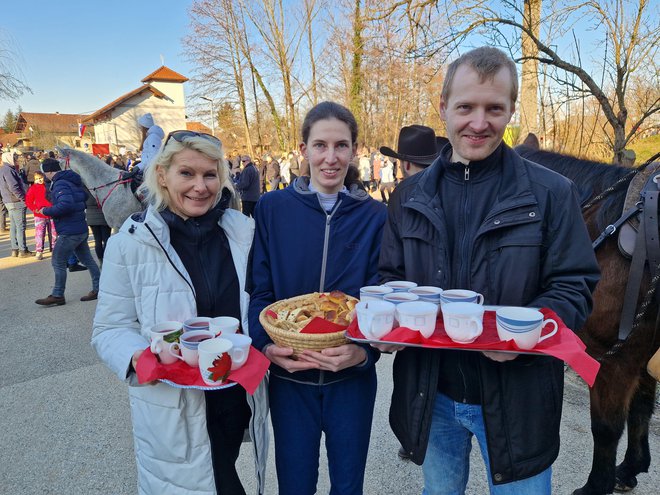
77 56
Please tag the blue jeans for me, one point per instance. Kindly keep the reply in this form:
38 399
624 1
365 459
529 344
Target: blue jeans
66 245
300 413
17 227
446 467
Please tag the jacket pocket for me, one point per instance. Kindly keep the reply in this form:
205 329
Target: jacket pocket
164 423
524 250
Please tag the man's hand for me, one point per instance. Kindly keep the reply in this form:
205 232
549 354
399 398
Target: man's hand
389 348
335 358
500 357
283 357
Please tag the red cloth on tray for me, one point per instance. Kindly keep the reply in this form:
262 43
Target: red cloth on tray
320 325
564 345
248 376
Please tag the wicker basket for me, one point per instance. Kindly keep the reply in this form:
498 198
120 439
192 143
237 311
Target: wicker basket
299 341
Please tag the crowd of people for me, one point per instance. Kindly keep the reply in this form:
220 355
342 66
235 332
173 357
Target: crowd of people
462 212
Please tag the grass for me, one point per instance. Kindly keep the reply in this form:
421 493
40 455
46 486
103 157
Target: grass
645 148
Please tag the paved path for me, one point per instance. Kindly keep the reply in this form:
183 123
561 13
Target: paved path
66 424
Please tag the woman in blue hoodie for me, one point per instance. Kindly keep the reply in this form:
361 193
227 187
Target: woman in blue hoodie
319 234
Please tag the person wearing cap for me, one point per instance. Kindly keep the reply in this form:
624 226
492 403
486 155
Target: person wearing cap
417 148
12 191
152 136
68 197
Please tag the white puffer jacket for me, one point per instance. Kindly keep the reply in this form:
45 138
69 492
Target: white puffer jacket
139 288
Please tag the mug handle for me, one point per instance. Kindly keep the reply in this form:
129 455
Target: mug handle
480 299
554 331
172 346
238 354
477 322
155 345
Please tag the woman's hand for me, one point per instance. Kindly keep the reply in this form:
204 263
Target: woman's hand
134 360
136 357
283 357
335 358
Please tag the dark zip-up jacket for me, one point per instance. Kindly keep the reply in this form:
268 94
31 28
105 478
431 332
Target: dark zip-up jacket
532 249
69 199
300 248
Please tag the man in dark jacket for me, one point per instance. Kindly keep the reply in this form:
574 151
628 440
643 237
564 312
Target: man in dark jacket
248 186
483 218
12 191
68 197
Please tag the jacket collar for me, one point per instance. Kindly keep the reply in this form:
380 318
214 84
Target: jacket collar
515 186
237 227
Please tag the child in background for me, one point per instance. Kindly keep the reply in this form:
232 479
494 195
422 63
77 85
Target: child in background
35 200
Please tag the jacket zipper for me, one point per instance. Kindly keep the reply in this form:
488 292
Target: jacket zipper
326 242
170 260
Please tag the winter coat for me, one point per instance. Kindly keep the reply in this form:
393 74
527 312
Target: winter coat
144 282
33 165
12 187
299 248
151 145
248 183
69 198
533 250
35 199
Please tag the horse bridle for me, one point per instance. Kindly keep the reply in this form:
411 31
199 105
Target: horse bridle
94 190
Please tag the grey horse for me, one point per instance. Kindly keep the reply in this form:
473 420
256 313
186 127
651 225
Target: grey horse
104 182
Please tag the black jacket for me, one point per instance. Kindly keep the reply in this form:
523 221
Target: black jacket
532 249
248 183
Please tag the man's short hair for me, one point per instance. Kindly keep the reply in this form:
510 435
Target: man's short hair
487 62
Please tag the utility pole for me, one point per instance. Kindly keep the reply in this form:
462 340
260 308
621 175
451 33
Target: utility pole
212 113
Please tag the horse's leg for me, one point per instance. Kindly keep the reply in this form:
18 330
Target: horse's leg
638 457
609 398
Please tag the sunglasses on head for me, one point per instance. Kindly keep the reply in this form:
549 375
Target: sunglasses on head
183 134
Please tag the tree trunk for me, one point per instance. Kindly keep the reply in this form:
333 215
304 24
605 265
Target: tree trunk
530 64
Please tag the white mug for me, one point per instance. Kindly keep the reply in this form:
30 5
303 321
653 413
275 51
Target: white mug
240 349
162 335
374 292
186 348
400 285
523 326
461 295
418 315
224 325
213 353
375 318
463 321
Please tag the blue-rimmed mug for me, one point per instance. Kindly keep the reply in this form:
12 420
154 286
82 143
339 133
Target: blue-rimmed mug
400 285
461 295
427 293
523 325
374 292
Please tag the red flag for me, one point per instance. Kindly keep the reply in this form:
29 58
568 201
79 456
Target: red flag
81 129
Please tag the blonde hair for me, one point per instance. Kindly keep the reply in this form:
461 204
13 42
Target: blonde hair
487 62
158 196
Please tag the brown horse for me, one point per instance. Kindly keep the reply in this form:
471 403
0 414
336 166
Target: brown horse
624 393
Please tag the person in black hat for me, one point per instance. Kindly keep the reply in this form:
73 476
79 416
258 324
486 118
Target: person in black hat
417 148
68 197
